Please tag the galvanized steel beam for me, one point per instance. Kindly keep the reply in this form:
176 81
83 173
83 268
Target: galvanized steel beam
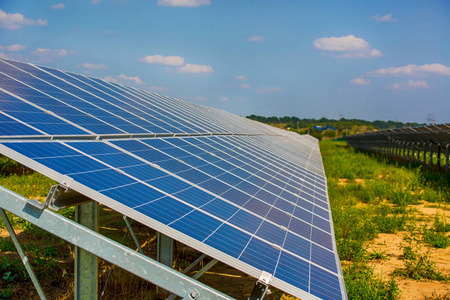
105 248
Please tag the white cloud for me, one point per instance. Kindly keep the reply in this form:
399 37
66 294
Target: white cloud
201 98
241 77
95 2
157 88
3 55
163 60
256 38
136 79
95 67
190 68
58 6
12 48
413 70
409 85
223 99
183 3
16 21
111 79
360 81
346 46
245 86
269 90
43 52
386 18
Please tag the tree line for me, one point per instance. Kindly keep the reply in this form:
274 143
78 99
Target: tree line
343 126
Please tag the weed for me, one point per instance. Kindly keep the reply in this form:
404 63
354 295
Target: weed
7 293
436 239
377 255
6 244
435 236
440 224
362 283
387 220
417 264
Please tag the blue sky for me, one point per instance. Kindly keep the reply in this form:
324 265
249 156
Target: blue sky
385 60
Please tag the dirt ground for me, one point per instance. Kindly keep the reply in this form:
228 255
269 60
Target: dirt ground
391 245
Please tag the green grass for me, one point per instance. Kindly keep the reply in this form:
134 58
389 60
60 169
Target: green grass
376 197
362 283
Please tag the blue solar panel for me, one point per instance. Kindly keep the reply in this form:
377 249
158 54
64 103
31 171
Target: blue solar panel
247 194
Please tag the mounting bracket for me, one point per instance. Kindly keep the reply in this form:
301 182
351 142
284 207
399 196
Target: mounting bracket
261 286
60 197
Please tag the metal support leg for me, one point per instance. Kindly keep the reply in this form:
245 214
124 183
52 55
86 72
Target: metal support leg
261 287
439 156
130 230
424 154
259 290
165 250
431 154
446 157
164 253
24 259
86 263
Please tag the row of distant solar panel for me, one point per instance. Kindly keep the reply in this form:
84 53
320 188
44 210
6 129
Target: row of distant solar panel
256 201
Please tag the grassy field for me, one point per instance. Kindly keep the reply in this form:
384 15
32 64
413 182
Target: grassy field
372 196
374 200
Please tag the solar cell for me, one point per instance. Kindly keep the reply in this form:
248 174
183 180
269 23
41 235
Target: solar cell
249 195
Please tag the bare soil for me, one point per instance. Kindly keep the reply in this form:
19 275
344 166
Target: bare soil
391 245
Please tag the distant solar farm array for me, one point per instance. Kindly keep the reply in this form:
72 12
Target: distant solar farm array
428 145
245 193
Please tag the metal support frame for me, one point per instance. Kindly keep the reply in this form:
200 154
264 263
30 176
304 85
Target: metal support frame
261 287
164 253
424 154
198 274
446 157
431 154
165 250
438 156
107 249
24 258
60 197
86 263
133 236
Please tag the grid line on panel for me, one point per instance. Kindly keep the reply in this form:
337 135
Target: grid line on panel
263 187
145 104
44 111
21 122
269 158
175 107
110 105
156 106
69 105
129 106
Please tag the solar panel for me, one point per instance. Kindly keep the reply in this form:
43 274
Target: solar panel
247 194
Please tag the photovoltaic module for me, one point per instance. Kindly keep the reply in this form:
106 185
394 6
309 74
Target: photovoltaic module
247 194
